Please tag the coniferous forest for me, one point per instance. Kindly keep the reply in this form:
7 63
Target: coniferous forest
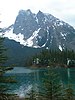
51 86
37 50
4 80
56 58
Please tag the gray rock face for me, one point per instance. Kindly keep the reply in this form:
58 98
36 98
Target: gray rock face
43 30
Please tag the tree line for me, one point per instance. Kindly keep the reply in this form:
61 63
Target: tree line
51 88
4 80
53 58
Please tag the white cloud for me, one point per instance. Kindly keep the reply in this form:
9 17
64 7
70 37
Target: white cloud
63 9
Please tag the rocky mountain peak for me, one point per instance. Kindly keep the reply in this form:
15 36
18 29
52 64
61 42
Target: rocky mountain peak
41 31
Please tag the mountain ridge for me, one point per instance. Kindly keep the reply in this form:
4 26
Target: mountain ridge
41 30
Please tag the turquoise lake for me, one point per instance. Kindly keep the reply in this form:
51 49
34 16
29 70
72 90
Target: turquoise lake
26 78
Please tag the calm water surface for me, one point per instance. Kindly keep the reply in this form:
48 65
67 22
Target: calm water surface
27 77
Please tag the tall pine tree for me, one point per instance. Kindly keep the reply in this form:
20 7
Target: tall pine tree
52 87
4 80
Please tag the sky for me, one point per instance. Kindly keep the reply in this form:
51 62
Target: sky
62 9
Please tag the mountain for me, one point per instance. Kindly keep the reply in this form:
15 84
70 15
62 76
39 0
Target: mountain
18 54
41 30
31 33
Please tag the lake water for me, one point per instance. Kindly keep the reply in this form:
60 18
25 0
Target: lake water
27 77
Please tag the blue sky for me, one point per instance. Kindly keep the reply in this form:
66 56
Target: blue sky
62 9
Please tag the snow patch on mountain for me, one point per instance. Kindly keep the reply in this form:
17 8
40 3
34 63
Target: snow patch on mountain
40 30
61 23
47 38
29 41
63 35
60 48
21 39
51 40
13 36
36 19
44 45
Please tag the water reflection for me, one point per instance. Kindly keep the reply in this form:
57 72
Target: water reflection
26 78
20 70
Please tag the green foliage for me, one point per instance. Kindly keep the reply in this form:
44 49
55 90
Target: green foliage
32 94
4 80
3 57
69 93
52 88
54 58
71 63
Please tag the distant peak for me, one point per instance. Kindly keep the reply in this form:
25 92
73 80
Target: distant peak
21 11
28 10
40 12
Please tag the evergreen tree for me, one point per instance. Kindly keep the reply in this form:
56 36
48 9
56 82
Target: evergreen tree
32 94
3 57
52 88
69 93
4 80
55 58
